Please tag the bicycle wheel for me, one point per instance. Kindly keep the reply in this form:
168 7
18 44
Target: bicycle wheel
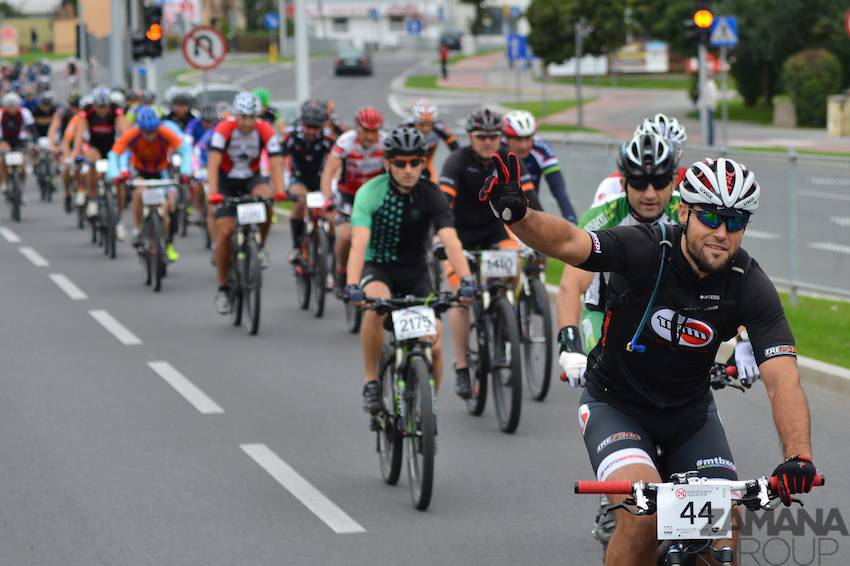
302 275
252 284
15 194
390 447
535 322
108 219
420 430
477 358
157 251
506 364
81 217
321 248
183 212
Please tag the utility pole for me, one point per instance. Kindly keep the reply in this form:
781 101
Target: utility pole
82 38
135 79
703 106
117 40
579 32
302 54
281 9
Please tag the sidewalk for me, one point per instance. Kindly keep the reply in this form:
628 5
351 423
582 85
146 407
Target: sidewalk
616 111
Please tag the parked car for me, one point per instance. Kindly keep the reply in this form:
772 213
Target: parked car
216 92
352 60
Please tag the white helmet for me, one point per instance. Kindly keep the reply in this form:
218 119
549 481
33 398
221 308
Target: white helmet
117 98
519 124
11 100
723 183
423 110
666 127
246 103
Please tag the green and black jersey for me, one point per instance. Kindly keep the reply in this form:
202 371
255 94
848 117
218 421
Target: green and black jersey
399 222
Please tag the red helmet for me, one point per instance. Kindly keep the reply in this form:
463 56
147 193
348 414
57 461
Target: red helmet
369 118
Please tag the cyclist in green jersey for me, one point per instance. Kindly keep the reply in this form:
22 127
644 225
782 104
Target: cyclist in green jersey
390 221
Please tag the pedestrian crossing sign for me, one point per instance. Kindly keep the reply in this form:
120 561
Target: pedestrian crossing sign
724 32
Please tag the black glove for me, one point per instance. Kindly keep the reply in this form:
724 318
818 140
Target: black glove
569 340
794 475
353 293
468 288
502 191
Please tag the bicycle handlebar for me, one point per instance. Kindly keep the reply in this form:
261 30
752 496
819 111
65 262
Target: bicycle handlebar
440 303
628 488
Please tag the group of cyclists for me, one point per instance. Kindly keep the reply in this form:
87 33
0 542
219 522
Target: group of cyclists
655 279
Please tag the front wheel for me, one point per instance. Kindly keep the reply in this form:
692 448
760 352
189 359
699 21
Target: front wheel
252 278
535 321
15 193
505 364
390 447
477 358
420 431
302 277
318 263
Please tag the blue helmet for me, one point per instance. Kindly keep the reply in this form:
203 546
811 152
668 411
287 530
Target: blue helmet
146 119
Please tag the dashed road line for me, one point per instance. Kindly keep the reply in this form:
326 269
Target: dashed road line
825 195
312 498
9 236
831 247
840 220
36 258
759 235
186 388
121 332
68 286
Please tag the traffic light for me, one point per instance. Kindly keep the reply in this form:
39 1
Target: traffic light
699 25
149 42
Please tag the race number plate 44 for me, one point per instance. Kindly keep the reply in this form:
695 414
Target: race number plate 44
153 196
498 263
315 200
14 158
694 512
251 213
414 322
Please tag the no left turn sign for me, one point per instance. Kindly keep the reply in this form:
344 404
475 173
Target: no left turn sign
204 48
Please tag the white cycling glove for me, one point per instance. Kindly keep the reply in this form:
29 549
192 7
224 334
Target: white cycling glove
745 361
574 365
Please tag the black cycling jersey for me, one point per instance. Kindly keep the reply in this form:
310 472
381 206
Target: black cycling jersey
399 222
65 115
461 179
306 157
43 118
673 370
182 122
269 115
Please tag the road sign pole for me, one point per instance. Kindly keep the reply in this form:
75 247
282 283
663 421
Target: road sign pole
82 38
204 84
724 75
302 54
117 42
150 74
793 231
579 109
703 107
281 9
135 79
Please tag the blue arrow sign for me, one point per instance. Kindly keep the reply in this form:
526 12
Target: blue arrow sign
271 21
724 31
518 47
414 26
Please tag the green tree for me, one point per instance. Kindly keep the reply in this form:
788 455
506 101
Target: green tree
8 10
475 27
811 76
552 24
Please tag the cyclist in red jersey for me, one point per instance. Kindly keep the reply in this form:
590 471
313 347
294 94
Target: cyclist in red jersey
234 170
16 123
358 156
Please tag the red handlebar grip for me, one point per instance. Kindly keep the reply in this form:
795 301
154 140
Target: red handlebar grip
819 480
731 371
604 487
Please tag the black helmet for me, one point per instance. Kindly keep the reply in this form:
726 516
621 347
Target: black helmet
209 113
646 155
405 140
484 121
47 98
74 99
313 115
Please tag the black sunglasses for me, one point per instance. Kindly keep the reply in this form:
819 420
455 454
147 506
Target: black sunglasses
657 181
402 163
713 220
486 136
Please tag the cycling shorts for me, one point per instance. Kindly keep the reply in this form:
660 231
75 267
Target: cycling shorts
676 440
402 280
15 143
311 183
236 187
102 149
344 206
489 237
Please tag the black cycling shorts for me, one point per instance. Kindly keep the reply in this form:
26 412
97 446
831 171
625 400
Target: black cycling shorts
402 280
236 187
484 238
688 438
312 183
15 143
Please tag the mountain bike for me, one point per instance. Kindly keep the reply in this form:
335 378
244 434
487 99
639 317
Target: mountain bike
691 511
107 206
311 274
44 170
245 274
152 247
14 165
408 421
535 324
180 215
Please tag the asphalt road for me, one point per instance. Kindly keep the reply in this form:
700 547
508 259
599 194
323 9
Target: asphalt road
149 442
822 246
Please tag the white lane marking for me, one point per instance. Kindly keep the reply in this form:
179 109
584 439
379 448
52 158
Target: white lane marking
186 388
825 195
36 258
839 181
841 220
831 247
121 332
312 498
9 236
397 107
68 286
759 235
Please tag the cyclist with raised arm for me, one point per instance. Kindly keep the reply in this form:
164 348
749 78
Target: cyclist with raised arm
234 170
423 117
150 144
675 293
461 178
356 156
306 148
392 216
519 128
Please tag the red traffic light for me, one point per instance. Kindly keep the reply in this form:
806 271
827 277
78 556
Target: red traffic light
703 18
154 32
